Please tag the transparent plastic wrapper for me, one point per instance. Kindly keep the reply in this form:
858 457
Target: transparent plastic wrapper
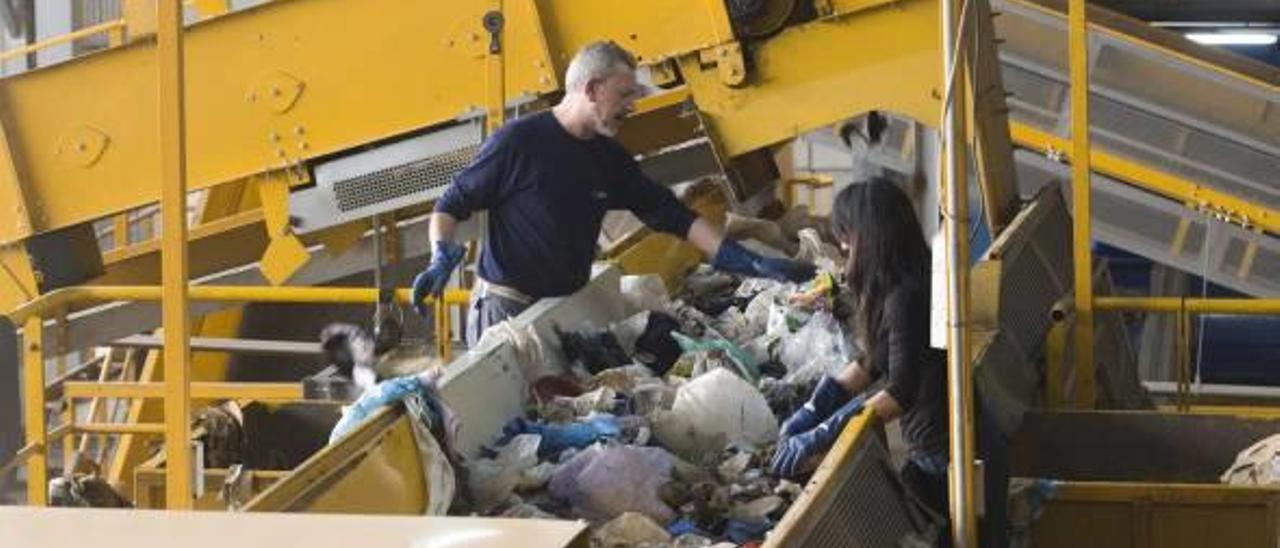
742 360
602 482
820 347
823 255
713 411
735 326
761 308
493 481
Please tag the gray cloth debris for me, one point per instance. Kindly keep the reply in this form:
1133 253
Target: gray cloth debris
629 530
85 491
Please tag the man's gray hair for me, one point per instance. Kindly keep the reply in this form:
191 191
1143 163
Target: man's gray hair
596 60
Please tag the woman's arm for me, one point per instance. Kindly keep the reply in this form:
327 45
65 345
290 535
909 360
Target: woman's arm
854 378
885 406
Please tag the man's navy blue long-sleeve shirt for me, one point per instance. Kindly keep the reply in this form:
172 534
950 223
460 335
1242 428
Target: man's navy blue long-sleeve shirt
547 192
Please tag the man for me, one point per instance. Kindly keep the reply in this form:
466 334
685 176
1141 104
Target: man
547 180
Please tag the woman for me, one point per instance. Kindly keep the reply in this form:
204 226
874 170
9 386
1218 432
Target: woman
887 272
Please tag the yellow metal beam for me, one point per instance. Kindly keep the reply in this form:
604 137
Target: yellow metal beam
955 74
654 30
1053 8
33 410
799 82
1251 307
214 293
226 243
131 450
108 26
17 277
179 491
1082 202
1154 180
1055 358
209 8
119 428
265 391
798 524
267 88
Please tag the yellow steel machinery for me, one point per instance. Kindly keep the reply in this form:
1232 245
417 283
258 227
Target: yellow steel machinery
297 138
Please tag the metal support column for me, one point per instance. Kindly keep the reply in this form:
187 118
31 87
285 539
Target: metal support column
173 205
33 411
1082 206
964 530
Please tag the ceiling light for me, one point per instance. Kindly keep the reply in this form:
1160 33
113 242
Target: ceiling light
1233 38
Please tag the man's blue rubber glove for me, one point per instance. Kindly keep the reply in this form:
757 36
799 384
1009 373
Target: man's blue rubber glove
445 257
732 257
794 454
826 398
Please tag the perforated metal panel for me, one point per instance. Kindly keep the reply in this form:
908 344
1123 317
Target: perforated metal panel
1148 225
1035 266
388 177
1149 105
395 182
868 506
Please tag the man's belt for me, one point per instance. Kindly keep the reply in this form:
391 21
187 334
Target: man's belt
486 287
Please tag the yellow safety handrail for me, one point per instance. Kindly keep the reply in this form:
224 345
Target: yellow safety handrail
31 317
50 302
1183 307
117 24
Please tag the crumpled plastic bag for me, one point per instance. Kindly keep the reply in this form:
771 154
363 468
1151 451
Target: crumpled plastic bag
735 326
603 482
821 254
492 481
1258 464
742 360
819 348
645 292
712 411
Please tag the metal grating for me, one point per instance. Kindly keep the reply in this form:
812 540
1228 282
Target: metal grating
870 508
1146 105
400 181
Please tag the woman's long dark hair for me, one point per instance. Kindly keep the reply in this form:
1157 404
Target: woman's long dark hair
886 247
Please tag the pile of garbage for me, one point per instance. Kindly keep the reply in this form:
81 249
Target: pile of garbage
660 431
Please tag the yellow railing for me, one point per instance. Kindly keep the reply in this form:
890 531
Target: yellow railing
32 317
115 29
1185 308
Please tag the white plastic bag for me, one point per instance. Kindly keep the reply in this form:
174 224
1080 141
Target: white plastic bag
712 411
493 481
